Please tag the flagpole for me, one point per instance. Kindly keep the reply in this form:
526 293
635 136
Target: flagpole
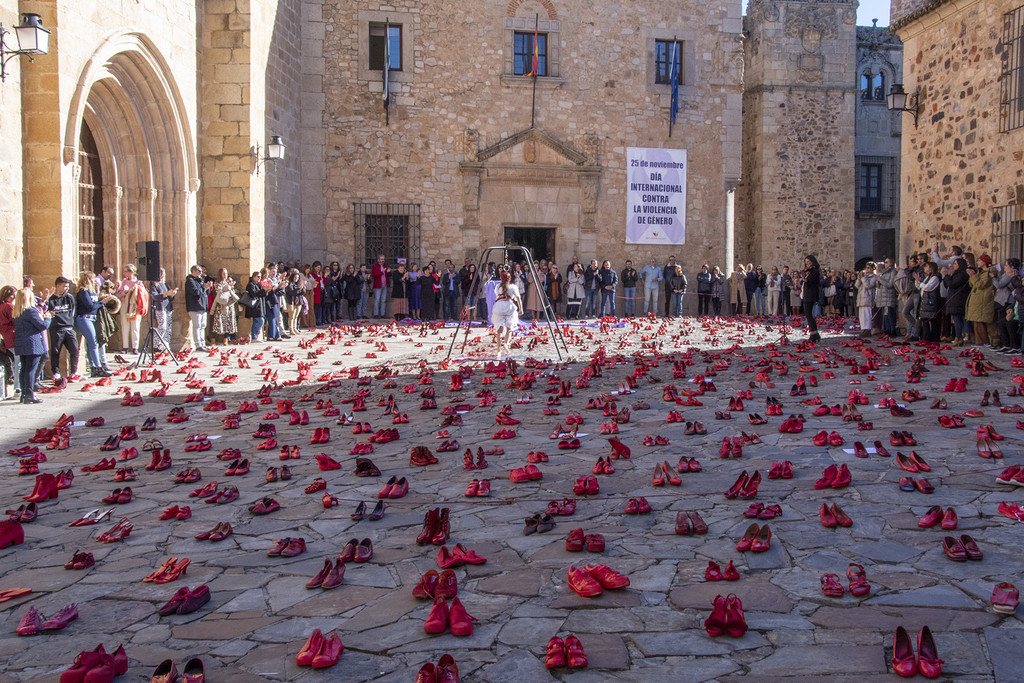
387 70
671 68
533 104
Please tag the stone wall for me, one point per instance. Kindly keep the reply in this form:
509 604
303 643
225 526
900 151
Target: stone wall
602 100
799 123
957 166
12 198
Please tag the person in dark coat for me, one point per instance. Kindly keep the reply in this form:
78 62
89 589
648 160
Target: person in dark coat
256 311
957 288
812 290
30 323
353 290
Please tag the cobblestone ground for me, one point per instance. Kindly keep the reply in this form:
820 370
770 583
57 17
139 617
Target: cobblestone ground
261 612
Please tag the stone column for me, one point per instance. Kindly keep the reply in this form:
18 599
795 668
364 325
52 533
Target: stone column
730 228
45 180
231 232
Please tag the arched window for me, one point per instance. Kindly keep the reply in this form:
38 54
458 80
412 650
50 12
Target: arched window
872 86
879 86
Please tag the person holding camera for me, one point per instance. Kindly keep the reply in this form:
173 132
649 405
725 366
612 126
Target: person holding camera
981 301
865 285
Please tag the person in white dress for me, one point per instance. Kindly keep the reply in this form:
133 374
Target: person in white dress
505 312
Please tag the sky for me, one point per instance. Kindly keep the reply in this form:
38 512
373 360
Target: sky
868 10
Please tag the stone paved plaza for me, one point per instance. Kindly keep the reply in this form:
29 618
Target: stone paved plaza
261 612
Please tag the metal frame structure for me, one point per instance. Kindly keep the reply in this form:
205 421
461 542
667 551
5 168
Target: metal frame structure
549 314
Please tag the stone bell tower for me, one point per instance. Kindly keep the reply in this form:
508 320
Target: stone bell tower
797 195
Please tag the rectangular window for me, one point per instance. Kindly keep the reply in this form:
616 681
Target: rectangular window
389 229
871 188
877 185
1008 232
663 57
377 46
523 52
1011 84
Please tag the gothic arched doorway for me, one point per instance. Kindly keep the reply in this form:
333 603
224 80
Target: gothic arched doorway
129 136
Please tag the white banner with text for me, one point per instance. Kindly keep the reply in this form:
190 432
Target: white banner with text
655 195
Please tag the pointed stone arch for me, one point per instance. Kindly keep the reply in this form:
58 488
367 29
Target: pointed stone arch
128 98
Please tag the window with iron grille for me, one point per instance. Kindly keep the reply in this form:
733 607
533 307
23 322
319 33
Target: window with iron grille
90 204
389 229
1011 82
1008 232
876 185
523 51
663 58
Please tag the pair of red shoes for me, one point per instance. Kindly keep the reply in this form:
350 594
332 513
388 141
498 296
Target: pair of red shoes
577 540
96 666
102 465
225 495
175 512
832 516
756 538
454 618
119 496
169 571
32 623
420 456
46 488
823 437
510 434
445 671
586 486
726 617
299 418
528 473
663 472
657 440
934 514
436 527
783 470
326 462
715 573
457 556
792 425
320 651
478 488
638 506
394 488
745 486
320 435
592 580
834 477
160 461
287 547
897 438
859 585
237 468
568 652
926 662
604 466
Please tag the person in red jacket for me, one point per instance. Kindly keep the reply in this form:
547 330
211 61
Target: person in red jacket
381 275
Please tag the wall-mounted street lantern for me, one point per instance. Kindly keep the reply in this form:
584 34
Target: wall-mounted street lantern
898 98
274 152
33 40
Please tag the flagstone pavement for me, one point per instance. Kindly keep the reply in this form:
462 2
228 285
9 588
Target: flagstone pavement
261 612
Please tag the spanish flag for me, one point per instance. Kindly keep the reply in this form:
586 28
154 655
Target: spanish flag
533 72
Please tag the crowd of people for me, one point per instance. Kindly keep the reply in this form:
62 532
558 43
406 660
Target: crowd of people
955 298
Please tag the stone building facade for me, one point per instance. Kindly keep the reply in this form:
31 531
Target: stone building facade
963 157
877 145
799 122
459 167
142 124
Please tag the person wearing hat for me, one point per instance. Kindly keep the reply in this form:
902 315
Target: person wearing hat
981 301
652 276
